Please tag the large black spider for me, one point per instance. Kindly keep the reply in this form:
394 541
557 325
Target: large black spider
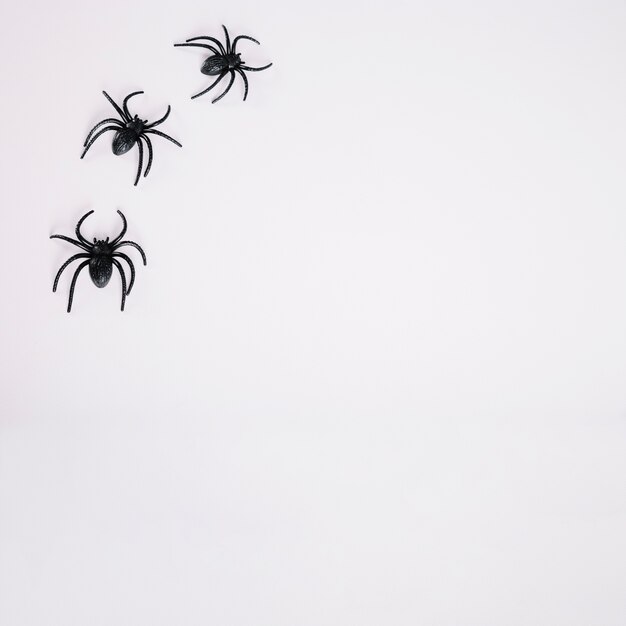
224 60
101 256
130 131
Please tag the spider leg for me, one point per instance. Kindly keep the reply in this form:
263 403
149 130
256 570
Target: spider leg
228 49
196 45
230 84
110 120
124 225
140 146
255 69
210 86
160 121
215 41
149 145
132 269
76 273
160 134
134 245
80 255
116 107
121 270
125 105
236 39
76 243
104 130
79 236
245 82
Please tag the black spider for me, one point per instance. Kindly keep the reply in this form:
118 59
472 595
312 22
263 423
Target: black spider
224 60
130 131
101 256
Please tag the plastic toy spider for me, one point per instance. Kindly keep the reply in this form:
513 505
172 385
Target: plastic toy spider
130 131
101 256
224 60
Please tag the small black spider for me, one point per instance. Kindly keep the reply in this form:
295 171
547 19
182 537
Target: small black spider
101 256
130 131
224 60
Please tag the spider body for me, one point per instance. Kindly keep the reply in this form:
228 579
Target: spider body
217 63
128 136
101 256
130 131
224 60
101 263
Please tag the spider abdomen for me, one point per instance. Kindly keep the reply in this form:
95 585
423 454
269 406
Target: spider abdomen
214 65
100 270
123 141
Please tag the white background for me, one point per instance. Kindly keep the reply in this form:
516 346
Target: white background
374 372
